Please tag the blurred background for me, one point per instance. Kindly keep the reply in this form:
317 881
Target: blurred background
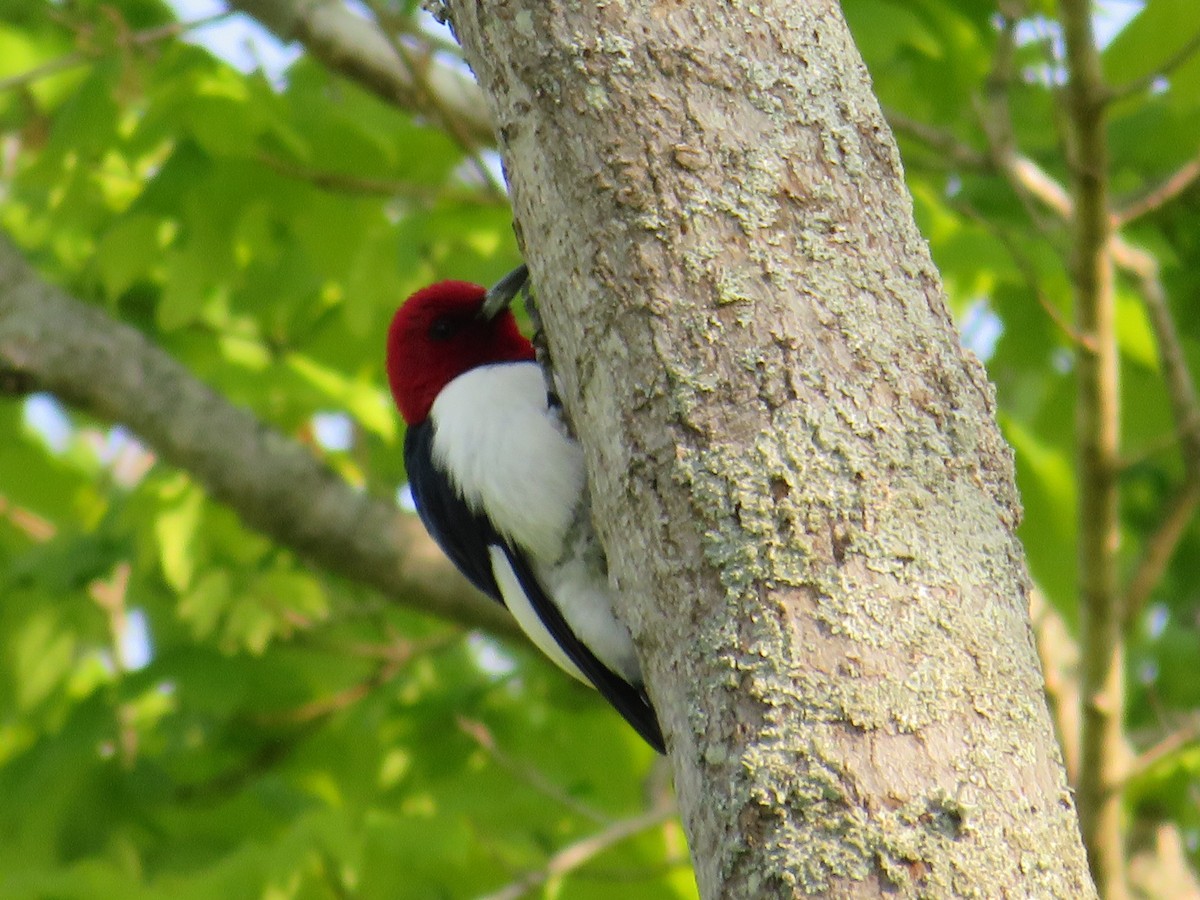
189 708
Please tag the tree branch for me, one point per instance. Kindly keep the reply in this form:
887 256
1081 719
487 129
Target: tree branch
573 856
1182 55
943 142
540 782
1097 439
1161 194
353 46
112 371
1029 179
1182 736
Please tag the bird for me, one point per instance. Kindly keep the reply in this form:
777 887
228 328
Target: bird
500 485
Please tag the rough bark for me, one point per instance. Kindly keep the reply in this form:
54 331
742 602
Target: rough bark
795 469
52 342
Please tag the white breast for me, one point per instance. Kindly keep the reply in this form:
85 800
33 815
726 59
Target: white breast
510 457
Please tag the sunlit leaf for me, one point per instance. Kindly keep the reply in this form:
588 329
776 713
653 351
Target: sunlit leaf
366 402
176 532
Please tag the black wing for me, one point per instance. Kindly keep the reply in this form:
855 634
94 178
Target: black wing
463 535
466 536
628 699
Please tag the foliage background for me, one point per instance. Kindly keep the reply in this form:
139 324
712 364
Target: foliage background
188 708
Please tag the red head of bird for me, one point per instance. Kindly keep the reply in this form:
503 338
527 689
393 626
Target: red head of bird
438 334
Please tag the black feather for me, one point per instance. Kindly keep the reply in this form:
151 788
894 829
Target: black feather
628 699
463 535
466 537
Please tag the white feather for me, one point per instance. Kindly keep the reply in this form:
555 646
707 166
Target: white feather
518 604
510 457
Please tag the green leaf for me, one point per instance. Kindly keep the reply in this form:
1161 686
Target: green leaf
883 27
363 400
43 653
128 251
184 291
175 529
1135 337
1154 36
206 602
1046 477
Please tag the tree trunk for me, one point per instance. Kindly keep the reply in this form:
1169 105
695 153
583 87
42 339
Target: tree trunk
795 468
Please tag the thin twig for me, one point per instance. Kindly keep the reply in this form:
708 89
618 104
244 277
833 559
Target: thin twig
392 658
88 55
1181 391
1026 178
324 707
399 650
382 187
573 856
111 597
1158 549
452 126
1029 271
943 142
994 114
1147 81
1161 194
1042 185
1188 733
1150 449
430 99
262 759
997 116
34 526
345 183
479 733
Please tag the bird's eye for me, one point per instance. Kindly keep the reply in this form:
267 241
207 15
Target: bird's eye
442 329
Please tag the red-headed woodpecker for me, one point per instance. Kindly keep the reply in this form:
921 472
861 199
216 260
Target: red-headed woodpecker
500 483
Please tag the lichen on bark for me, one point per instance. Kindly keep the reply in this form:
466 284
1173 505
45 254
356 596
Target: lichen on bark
795 469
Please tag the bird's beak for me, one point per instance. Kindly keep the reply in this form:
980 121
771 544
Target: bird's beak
503 292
